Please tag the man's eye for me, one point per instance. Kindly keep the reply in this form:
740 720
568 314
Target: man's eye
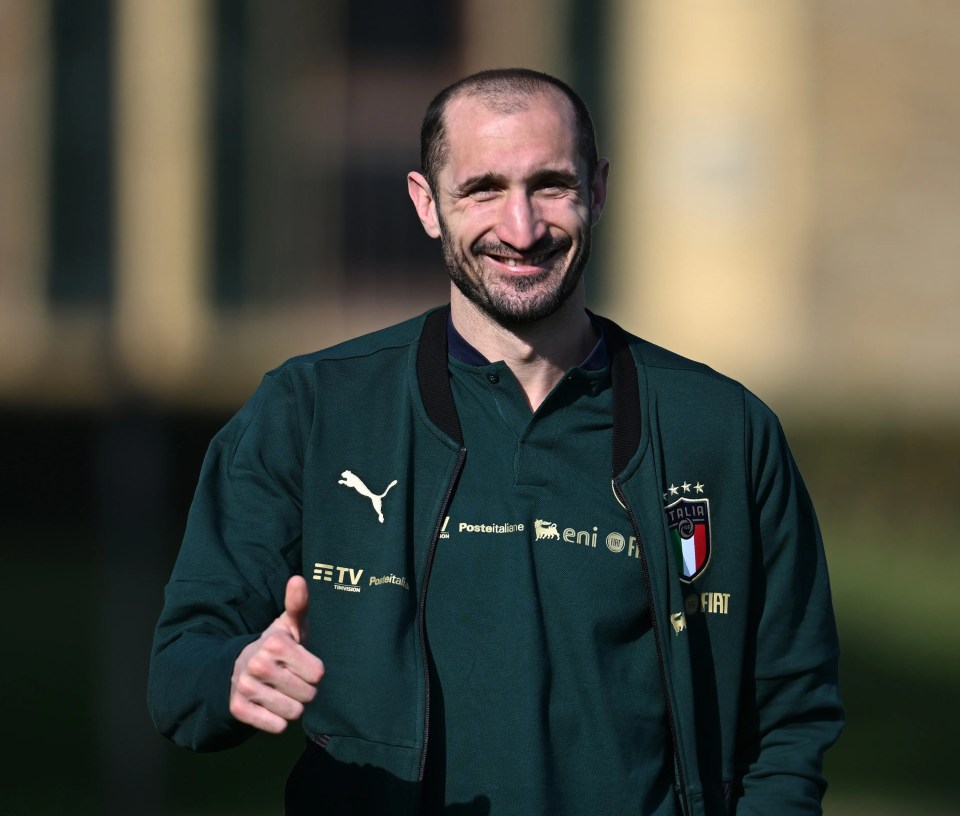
553 187
482 193
552 190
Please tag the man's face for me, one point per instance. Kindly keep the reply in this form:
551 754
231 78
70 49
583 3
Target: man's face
513 206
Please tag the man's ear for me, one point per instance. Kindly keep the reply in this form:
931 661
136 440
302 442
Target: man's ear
422 197
598 190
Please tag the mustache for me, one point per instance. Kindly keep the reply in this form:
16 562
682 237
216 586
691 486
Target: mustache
545 246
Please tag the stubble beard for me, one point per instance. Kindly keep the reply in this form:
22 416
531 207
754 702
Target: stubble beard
506 300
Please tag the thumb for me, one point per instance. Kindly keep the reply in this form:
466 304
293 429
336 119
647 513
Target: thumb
295 607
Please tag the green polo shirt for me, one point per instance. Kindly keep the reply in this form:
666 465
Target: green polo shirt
545 690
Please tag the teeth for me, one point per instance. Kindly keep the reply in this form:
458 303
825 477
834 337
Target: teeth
512 262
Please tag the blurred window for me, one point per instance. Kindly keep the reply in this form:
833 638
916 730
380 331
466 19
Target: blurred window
315 123
81 178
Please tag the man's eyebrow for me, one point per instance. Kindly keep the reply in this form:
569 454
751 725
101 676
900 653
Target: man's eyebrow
485 180
478 182
566 177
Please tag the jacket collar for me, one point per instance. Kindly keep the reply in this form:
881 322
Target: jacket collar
433 377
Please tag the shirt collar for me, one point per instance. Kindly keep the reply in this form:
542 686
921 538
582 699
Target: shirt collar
463 352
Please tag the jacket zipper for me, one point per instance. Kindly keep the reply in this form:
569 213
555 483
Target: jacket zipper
422 612
661 661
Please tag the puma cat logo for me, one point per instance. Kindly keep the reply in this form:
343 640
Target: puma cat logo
350 479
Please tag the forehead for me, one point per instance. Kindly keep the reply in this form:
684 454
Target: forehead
512 133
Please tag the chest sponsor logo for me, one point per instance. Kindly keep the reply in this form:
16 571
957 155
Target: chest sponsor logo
689 523
548 531
497 528
389 580
615 542
346 579
350 579
707 603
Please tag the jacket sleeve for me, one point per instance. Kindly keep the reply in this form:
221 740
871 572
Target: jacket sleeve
794 713
242 542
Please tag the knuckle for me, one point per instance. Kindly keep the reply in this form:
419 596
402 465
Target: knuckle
238 707
245 686
273 643
259 665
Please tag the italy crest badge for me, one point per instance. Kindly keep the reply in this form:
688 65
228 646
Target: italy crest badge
689 523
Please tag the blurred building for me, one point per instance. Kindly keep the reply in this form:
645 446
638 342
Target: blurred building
794 196
196 189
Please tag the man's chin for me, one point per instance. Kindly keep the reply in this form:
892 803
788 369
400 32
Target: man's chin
523 308
512 299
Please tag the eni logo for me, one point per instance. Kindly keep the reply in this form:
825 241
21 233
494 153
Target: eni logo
545 529
350 479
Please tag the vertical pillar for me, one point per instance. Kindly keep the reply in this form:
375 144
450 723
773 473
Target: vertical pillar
710 179
161 189
159 326
24 116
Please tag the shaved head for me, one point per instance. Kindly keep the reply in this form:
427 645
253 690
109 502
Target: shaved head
505 91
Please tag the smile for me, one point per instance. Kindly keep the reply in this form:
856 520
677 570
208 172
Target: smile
536 260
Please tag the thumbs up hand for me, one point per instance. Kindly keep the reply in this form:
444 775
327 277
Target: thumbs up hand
275 676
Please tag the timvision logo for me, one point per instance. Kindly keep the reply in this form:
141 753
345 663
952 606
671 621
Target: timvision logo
347 578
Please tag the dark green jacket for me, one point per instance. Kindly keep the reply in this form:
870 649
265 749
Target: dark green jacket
748 650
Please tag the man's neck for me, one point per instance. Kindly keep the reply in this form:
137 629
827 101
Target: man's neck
537 353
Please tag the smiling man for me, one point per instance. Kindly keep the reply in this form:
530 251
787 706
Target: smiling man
513 201
506 557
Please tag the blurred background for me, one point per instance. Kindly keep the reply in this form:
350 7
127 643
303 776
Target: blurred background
193 190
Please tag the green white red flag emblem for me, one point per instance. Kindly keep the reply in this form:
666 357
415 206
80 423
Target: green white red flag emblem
689 523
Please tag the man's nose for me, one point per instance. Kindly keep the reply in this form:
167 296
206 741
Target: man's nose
521 224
